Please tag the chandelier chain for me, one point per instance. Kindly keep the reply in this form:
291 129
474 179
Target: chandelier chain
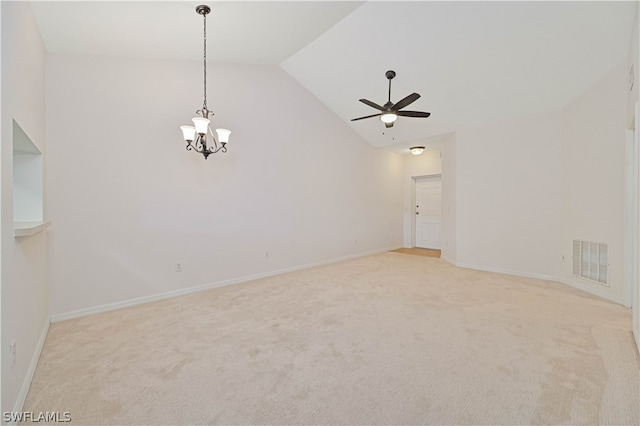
204 105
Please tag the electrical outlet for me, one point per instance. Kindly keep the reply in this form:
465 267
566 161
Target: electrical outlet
355 242
178 267
266 254
12 353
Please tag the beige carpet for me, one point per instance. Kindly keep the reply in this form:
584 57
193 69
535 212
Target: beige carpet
384 339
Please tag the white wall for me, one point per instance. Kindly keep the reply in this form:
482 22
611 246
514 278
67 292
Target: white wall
508 196
633 101
526 187
593 184
449 201
633 61
128 201
24 289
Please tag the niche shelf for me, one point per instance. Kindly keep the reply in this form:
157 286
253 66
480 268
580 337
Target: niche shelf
27 185
24 229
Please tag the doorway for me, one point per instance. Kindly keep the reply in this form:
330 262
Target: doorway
428 212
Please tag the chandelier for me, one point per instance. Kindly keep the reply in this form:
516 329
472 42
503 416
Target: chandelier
196 135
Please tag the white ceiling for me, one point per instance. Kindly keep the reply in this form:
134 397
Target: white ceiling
250 32
472 62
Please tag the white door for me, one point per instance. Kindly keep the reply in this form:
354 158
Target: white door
428 212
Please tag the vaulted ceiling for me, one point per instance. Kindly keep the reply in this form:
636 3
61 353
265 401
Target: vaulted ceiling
472 62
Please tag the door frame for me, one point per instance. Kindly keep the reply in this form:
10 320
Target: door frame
413 203
632 272
631 220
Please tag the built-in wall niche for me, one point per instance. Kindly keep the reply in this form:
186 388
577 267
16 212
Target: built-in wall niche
28 214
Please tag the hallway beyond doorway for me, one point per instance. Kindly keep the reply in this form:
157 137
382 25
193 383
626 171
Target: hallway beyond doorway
419 251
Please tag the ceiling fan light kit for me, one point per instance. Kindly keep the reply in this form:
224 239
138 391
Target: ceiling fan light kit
388 118
196 135
390 112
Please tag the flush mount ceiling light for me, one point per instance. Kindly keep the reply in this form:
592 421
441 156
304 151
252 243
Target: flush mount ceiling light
416 150
196 135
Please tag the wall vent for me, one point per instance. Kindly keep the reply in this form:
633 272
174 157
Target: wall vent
591 261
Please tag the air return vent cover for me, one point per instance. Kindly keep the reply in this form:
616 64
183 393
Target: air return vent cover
591 261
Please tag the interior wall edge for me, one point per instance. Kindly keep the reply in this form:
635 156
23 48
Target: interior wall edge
447 259
24 390
24 287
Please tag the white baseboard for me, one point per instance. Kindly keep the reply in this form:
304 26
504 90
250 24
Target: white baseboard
175 293
24 390
591 290
561 280
508 272
166 295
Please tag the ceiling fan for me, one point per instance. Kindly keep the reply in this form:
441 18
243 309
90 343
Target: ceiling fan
390 112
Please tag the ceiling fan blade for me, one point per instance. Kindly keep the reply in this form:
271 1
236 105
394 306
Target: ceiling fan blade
418 114
406 101
372 104
367 116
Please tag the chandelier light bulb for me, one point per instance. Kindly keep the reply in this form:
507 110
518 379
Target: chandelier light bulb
223 135
202 125
188 133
